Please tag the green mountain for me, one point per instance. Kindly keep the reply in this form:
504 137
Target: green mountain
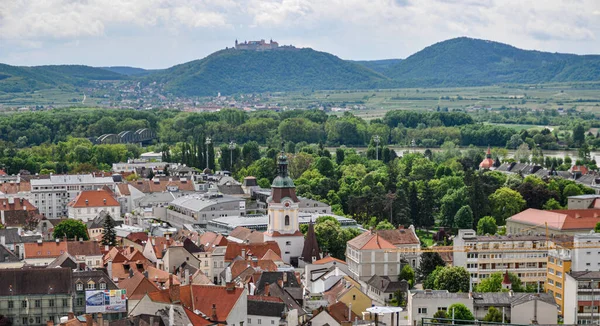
289 69
15 79
472 62
129 71
381 66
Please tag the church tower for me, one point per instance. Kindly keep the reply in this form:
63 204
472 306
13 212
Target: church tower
283 224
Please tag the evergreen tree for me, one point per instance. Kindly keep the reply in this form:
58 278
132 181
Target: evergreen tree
478 200
413 203
109 238
464 218
426 206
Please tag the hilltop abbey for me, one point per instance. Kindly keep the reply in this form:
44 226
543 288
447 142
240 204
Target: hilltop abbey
256 45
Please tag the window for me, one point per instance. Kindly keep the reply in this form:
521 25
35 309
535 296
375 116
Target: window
24 304
10 305
91 286
422 311
79 301
249 321
206 263
38 320
38 303
24 320
260 321
443 308
287 222
51 303
65 302
79 286
272 322
102 286
354 297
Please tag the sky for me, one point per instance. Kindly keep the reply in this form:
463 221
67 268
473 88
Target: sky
163 33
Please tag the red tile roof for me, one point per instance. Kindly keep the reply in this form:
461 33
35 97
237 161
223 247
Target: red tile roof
370 241
160 184
124 189
47 249
271 255
339 312
239 266
567 219
94 198
328 259
253 249
84 248
15 187
204 296
244 234
18 204
137 286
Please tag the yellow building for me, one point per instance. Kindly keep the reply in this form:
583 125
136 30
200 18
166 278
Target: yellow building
559 264
348 291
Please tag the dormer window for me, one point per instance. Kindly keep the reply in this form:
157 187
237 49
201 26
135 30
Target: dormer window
91 285
102 286
79 286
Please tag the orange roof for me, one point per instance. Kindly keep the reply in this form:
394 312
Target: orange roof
370 241
566 219
48 249
137 286
94 198
160 184
328 259
210 240
580 168
339 312
239 266
486 163
399 236
196 320
271 255
18 204
204 296
159 244
244 234
253 249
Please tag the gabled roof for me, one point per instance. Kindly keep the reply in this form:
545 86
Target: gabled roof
159 244
138 237
245 234
137 286
339 312
224 299
94 198
238 266
124 189
98 221
64 260
16 204
399 236
271 255
386 285
191 247
265 306
329 259
287 277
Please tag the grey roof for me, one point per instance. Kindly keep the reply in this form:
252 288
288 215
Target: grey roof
273 277
582 276
231 189
10 235
155 197
584 197
35 281
386 285
98 221
287 298
98 276
64 260
441 294
199 202
265 308
6 255
508 299
71 179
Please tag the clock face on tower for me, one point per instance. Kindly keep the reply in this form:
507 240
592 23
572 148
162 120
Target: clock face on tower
287 204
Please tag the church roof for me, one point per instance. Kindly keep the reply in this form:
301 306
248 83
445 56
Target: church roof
311 246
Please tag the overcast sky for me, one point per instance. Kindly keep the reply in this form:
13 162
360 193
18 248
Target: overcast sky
162 33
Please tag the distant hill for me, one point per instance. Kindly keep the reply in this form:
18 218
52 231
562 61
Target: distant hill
472 62
381 66
129 71
26 79
237 71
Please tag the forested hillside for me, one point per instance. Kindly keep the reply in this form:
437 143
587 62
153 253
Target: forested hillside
472 62
233 71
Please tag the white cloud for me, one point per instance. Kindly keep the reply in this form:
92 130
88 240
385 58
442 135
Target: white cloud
348 28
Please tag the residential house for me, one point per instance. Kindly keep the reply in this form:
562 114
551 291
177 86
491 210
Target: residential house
33 296
348 291
519 308
317 268
263 310
87 280
338 314
95 226
154 248
86 252
244 235
164 312
382 289
424 304
215 245
89 203
52 195
137 286
18 213
380 252
42 253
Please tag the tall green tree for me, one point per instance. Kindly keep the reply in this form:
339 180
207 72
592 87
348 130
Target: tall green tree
427 206
428 262
408 274
71 229
460 312
453 279
109 238
494 283
413 202
487 225
505 203
464 218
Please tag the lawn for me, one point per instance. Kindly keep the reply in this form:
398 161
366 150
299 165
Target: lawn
426 237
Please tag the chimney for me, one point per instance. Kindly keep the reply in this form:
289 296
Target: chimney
244 253
213 316
267 289
88 320
174 290
188 277
100 319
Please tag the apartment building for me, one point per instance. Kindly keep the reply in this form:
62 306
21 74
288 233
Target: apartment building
381 252
51 196
580 253
524 255
581 298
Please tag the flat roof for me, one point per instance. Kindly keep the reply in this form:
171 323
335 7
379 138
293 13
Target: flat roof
69 179
197 202
260 221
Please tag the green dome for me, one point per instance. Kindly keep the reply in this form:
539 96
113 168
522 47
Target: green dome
283 182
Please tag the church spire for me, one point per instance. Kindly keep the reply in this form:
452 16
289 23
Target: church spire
310 252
